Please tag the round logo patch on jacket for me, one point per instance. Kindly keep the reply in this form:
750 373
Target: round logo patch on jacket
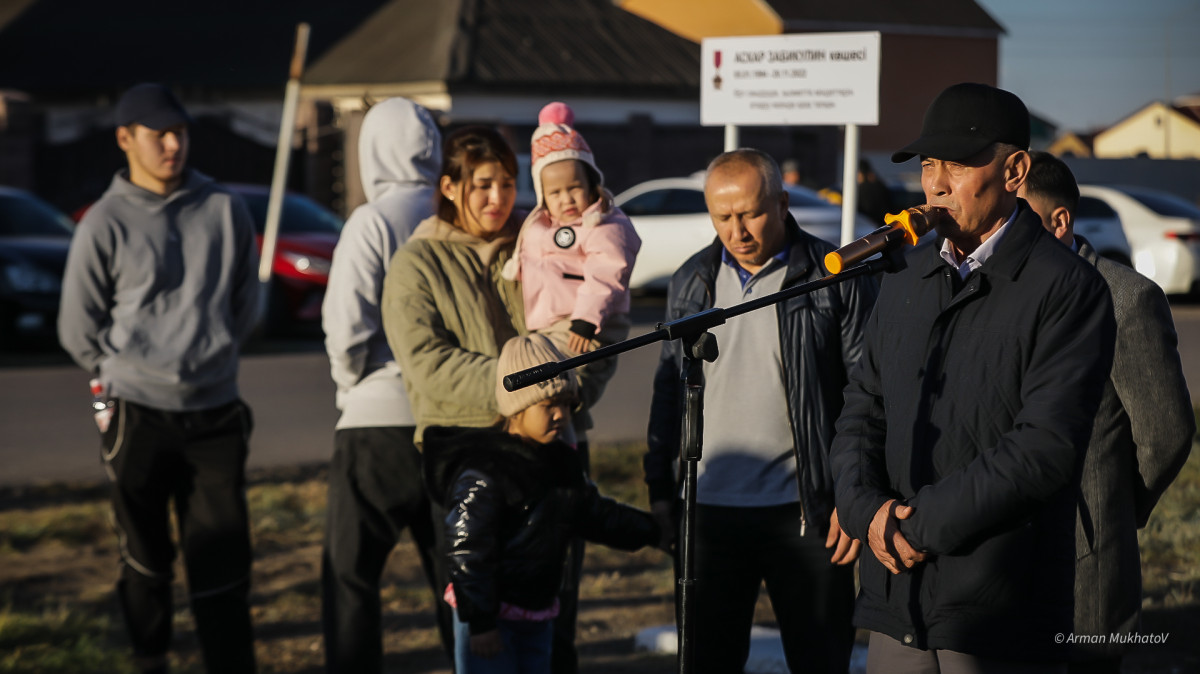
564 237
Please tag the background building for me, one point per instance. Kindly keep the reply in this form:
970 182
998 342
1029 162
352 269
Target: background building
634 85
1158 131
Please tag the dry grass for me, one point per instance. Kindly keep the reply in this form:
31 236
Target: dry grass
58 562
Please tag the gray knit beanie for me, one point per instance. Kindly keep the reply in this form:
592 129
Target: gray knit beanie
522 353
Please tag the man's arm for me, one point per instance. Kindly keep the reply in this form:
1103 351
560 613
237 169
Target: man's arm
666 412
247 292
1149 381
473 518
426 350
858 301
1060 392
610 250
856 459
868 508
350 312
87 292
858 297
663 432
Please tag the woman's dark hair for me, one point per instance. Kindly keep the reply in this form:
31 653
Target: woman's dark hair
463 151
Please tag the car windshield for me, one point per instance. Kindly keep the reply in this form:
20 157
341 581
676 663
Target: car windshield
26 215
301 215
668 201
1163 203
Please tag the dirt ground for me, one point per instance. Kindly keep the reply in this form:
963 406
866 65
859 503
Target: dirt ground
75 572
58 557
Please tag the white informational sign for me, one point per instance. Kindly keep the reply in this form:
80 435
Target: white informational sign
807 79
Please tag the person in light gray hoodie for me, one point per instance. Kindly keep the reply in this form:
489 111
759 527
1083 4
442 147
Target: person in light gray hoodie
375 477
158 294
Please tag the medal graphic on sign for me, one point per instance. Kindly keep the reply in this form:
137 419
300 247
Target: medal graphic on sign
717 65
564 237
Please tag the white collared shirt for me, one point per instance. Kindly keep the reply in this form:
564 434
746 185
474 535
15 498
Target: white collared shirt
976 259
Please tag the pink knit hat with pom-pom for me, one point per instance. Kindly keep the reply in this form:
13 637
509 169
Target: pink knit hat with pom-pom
555 140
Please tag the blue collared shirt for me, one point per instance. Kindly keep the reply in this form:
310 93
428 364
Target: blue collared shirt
743 275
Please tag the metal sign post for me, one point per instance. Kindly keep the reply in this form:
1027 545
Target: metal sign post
283 153
849 184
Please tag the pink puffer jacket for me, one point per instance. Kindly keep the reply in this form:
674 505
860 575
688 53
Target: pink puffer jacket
578 270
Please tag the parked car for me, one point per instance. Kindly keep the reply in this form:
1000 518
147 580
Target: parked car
1096 221
1163 232
308 233
672 220
34 240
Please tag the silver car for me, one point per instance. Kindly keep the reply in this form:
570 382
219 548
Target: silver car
672 220
1097 222
1163 232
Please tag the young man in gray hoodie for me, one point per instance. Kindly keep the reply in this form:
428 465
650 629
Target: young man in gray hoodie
158 294
375 484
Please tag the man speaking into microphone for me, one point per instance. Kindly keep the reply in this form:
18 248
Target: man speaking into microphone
967 416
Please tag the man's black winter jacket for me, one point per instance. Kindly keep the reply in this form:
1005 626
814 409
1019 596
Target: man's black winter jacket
973 402
820 338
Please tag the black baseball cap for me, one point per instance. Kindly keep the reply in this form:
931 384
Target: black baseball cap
151 105
964 119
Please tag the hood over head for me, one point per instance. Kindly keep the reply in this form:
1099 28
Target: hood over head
399 145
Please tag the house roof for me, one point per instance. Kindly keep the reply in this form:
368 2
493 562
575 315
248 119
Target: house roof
955 15
1191 113
68 48
591 45
528 45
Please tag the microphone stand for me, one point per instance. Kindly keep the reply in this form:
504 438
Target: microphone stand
699 346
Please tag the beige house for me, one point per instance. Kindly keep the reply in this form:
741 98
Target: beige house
1158 131
1071 144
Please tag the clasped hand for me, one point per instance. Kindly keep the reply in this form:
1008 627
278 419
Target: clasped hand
890 546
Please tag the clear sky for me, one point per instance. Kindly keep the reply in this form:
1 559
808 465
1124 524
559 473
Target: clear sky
1086 64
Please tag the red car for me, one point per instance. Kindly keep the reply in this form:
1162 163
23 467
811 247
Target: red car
308 233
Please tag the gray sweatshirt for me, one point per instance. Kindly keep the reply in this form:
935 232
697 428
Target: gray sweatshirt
401 157
160 291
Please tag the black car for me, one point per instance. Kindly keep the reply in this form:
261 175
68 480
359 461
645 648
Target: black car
34 240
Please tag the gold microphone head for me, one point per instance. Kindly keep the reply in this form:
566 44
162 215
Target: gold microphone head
914 221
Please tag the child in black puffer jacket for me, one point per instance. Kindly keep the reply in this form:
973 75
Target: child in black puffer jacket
515 495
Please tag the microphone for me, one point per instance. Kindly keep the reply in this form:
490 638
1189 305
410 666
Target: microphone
533 375
908 225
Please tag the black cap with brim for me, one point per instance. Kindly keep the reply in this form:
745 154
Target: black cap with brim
948 147
966 118
150 105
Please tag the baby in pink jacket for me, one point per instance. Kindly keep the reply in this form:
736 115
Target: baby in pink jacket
575 251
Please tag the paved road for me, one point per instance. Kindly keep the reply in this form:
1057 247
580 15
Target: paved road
47 435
